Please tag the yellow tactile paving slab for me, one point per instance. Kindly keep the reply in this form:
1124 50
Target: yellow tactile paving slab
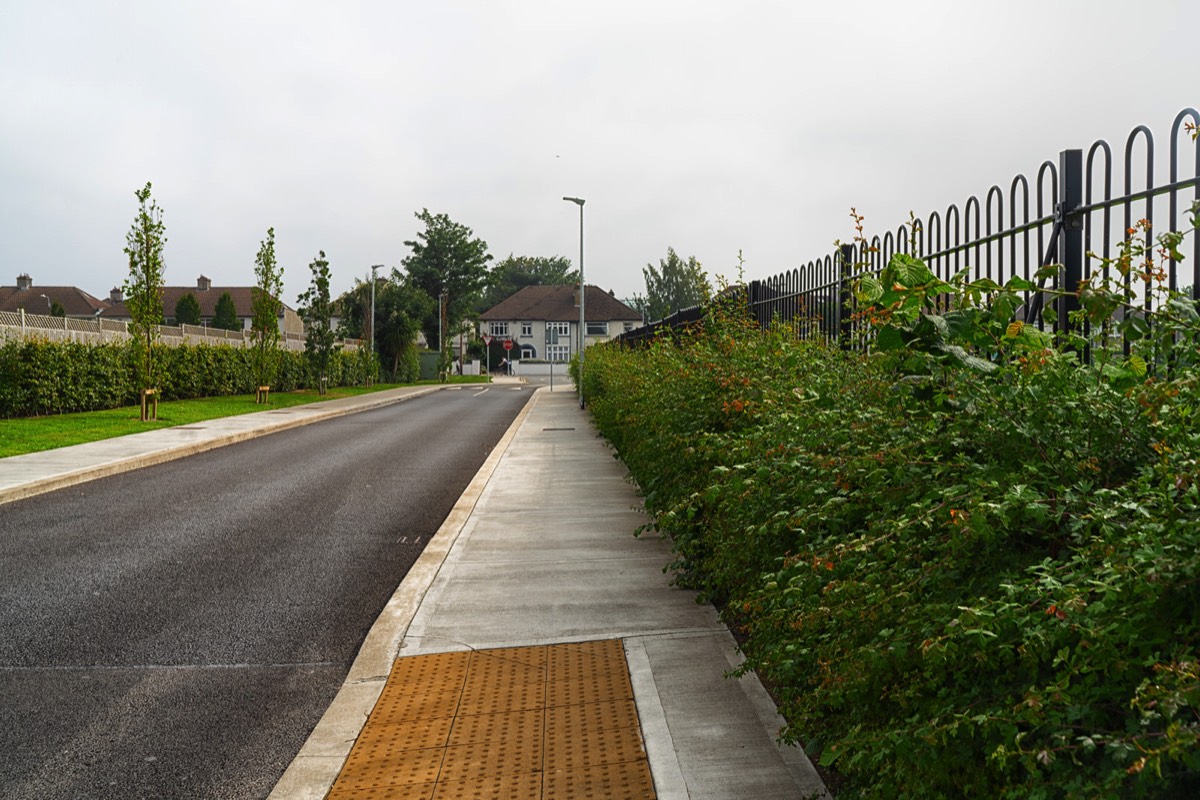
554 722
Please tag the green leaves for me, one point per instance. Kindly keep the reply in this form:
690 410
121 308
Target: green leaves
675 284
316 309
965 560
40 377
144 244
266 310
447 259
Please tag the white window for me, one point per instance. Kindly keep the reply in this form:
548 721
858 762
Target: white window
558 352
597 329
498 329
561 328
527 352
527 329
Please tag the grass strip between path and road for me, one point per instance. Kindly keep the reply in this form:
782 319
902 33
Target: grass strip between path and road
35 434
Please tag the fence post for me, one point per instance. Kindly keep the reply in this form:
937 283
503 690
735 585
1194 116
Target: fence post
1070 241
846 257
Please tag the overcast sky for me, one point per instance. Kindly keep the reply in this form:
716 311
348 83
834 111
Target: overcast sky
710 127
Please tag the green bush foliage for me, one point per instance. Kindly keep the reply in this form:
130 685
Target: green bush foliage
968 564
39 377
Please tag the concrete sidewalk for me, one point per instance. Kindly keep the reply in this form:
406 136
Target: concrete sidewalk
540 551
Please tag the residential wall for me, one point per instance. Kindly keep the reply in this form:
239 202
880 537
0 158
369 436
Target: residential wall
21 326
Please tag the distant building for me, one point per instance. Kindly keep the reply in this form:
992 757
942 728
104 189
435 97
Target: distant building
77 303
543 321
207 296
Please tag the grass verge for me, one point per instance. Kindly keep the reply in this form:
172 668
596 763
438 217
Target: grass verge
35 434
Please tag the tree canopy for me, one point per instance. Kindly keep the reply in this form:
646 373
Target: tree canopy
225 316
447 259
400 310
516 272
674 285
187 310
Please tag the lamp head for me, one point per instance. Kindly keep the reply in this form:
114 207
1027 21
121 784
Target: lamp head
576 200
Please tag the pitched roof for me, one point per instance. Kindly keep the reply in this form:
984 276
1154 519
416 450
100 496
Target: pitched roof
75 301
242 296
557 304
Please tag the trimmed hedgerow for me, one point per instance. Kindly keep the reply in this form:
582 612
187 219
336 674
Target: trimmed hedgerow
39 377
968 564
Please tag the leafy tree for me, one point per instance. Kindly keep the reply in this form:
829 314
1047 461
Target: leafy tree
143 288
316 309
400 308
226 316
674 285
265 310
516 272
447 259
56 309
187 310
352 309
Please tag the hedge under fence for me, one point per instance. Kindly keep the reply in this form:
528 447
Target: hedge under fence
39 377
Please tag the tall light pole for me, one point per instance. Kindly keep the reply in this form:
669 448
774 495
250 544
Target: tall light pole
582 292
373 268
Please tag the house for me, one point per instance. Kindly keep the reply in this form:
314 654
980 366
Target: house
207 296
75 302
543 321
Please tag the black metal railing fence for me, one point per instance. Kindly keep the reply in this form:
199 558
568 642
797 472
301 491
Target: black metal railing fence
1068 215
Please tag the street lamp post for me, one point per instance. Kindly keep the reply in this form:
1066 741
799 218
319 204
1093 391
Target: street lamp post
373 268
582 292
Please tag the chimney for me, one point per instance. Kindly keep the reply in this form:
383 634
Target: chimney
24 282
115 296
203 283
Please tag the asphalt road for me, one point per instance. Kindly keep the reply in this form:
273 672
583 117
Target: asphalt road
177 631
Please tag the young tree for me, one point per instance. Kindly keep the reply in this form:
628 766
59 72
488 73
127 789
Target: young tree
674 285
226 316
516 272
265 310
57 310
316 309
143 288
447 259
187 310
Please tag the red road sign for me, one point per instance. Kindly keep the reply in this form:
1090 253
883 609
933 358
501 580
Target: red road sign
508 344
487 339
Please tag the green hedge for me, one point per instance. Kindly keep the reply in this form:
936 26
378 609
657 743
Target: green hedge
39 377
969 567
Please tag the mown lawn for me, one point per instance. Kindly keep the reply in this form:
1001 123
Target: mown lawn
34 434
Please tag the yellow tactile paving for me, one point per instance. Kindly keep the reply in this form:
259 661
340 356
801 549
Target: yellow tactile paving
554 722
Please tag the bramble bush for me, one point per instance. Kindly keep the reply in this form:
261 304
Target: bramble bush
39 377
967 562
